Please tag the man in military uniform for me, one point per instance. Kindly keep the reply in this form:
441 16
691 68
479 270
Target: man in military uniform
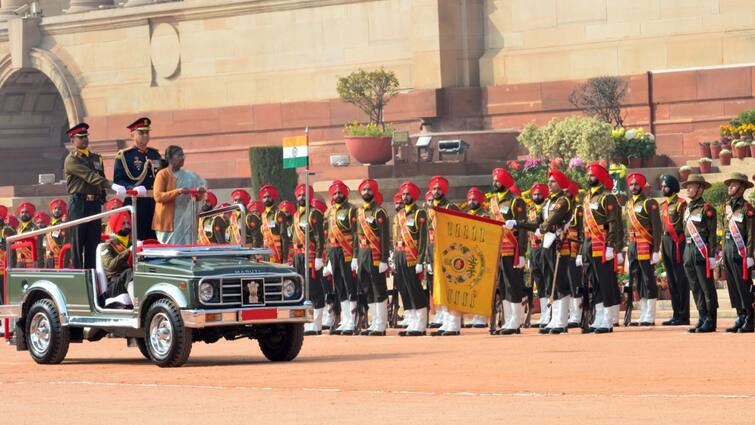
739 250
341 228
274 226
601 251
398 205
254 211
538 193
116 260
450 321
699 255
505 206
54 241
6 231
673 209
574 236
409 258
556 214
372 245
26 256
135 168
475 206
644 227
252 218
313 225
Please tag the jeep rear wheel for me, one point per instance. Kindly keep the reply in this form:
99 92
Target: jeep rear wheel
141 343
283 342
46 338
167 341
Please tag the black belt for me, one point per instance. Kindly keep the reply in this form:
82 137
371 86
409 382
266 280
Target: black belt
86 197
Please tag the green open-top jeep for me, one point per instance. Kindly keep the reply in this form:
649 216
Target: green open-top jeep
180 295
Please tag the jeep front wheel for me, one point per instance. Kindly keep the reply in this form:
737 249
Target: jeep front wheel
46 337
283 342
167 341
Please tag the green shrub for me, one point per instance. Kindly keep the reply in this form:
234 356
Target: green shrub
585 137
266 164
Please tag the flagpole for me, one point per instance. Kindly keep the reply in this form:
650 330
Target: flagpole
306 217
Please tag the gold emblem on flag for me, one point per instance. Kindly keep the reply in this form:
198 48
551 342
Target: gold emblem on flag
463 264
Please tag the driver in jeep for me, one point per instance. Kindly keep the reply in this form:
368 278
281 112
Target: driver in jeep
116 262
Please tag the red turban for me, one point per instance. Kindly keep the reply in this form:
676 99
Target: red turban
59 203
3 212
242 195
379 198
428 196
287 207
340 186
300 191
320 205
372 184
560 178
639 178
12 221
515 190
117 221
268 189
28 207
540 188
42 217
113 204
397 198
255 206
476 194
411 188
601 174
441 182
212 199
573 188
503 177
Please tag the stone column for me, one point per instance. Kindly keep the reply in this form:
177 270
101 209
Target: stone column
87 5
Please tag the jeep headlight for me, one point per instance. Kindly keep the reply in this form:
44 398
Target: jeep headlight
289 289
206 292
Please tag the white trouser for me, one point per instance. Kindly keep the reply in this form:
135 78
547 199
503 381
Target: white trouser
575 310
610 316
507 314
373 307
479 320
647 312
380 317
516 315
545 312
420 320
316 324
327 318
453 322
439 314
560 313
344 318
599 316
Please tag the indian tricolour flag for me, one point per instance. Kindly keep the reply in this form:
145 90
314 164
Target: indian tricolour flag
295 151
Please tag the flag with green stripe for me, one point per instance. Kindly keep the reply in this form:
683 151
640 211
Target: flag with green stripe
295 152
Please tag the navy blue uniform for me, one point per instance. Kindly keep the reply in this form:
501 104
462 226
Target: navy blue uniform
136 168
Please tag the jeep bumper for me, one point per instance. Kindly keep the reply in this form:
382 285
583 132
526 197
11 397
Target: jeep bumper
246 316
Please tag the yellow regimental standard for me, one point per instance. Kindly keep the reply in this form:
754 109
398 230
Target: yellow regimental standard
466 261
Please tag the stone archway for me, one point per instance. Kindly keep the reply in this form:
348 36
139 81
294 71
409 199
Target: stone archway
37 105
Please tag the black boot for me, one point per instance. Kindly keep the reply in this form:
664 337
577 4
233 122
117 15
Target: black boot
749 322
737 323
699 324
709 325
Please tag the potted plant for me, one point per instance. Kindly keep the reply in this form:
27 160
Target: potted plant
704 149
715 149
741 149
684 172
705 165
725 133
725 157
370 91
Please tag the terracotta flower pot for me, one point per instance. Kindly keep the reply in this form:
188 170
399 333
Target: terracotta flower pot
683 174
369 150
752 150
715 150
704 150
741 151
725 158
705 166
635 162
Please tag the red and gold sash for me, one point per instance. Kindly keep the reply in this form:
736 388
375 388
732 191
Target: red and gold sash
407 244
676 237
339 238
272 240
736 235
639 235
509 243
535 241
369 239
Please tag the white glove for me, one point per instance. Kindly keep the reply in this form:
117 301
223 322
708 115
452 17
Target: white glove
609 253
382 268
418 268
538 234
354 265
750 262
712 262
620 258
119 190
327 271
318 264
578 261
520 264
140 190
429 268
510 224
655 258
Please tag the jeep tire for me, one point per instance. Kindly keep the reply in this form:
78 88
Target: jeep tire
283 342
46 338
167 340
141 344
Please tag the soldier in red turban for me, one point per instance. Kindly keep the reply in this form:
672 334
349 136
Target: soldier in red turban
274 226
116 262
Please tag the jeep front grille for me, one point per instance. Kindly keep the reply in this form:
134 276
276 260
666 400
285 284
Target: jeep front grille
235 290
